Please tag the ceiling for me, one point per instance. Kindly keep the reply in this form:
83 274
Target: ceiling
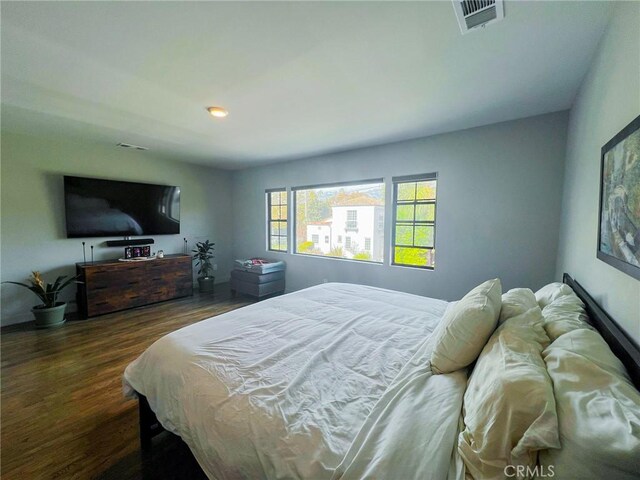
298 78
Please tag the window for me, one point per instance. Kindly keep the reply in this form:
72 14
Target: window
277 220
349 210
367 244
352 220
414 221
315 239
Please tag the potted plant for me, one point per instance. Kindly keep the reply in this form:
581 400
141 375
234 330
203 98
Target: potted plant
202 256
51 312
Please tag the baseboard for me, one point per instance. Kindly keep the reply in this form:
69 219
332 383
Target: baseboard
218 281
15 319
72 307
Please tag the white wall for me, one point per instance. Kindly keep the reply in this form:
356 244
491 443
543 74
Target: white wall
608 100
33 222
499 194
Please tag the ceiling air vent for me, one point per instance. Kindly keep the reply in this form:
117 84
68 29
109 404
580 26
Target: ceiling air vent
477 13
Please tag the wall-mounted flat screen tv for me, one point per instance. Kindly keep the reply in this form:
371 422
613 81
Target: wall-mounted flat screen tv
102 208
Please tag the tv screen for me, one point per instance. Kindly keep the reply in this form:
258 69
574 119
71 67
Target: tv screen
100 208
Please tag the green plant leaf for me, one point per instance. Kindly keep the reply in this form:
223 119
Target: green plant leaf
37 290
49 295
56 284
21 284
68 282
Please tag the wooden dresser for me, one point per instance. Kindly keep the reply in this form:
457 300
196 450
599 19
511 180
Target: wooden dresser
113 285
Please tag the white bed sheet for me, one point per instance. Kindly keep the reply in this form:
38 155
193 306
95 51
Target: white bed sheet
328 382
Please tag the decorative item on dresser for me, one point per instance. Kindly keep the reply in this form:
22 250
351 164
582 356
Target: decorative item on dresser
112 285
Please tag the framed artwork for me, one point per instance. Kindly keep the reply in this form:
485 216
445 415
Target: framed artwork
619 218
137 252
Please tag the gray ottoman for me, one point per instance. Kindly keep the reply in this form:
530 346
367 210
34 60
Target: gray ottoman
256 284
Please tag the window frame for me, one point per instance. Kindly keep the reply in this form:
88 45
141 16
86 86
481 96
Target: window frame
394 205
270 219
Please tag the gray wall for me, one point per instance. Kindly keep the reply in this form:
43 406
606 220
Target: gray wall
499 193
33 230
608 100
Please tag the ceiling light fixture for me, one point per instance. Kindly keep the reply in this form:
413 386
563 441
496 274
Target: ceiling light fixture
217 112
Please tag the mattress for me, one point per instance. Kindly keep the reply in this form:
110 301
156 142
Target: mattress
331 382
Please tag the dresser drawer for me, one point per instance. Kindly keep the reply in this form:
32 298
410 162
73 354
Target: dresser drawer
112 286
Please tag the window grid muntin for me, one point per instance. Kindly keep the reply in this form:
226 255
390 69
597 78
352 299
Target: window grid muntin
282 232
415 179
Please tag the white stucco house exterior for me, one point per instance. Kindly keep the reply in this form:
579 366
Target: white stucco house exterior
319 233
353 228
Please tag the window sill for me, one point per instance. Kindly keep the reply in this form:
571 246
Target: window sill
326 257
415 267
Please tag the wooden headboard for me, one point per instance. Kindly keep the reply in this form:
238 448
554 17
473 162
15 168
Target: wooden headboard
622 346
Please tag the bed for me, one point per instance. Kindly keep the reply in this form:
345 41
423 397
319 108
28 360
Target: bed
330 382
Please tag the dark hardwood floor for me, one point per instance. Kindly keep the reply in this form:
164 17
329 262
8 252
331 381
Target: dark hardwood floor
63 412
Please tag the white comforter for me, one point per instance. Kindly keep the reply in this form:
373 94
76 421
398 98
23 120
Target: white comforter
328 382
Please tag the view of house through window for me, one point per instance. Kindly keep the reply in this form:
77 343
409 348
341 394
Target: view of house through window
414 226
325 216
277 220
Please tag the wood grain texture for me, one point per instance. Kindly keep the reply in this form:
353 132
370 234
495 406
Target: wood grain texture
63 413
110 286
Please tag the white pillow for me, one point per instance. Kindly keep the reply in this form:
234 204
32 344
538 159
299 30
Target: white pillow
509 408
598 410
465 328
550 292
564 315
515 302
